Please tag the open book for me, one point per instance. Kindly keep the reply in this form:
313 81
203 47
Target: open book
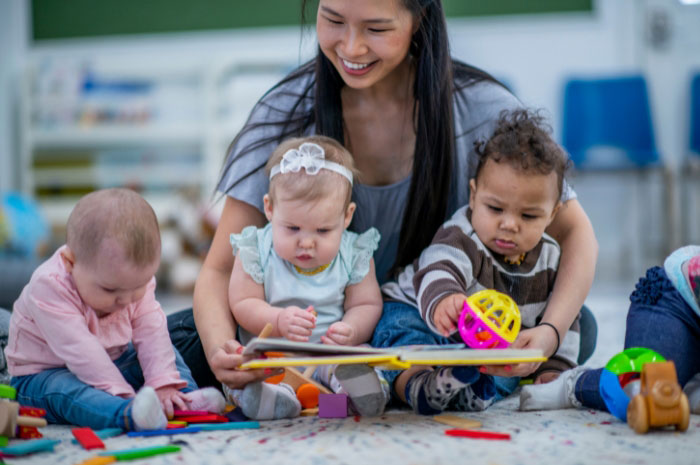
282 353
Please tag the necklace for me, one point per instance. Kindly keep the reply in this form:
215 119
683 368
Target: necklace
313 271
517 261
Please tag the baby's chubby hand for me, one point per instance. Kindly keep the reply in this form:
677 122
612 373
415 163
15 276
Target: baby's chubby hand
446 313
295 323
170 398
339 333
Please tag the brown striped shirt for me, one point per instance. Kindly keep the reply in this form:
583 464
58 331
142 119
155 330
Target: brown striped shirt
458 262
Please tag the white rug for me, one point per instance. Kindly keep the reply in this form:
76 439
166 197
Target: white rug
537 438
401 438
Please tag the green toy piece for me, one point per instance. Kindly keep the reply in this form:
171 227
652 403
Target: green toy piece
131 454
7 391
632 360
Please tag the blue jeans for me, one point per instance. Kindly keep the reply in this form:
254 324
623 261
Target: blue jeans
658 319
184 336
68 400
402 325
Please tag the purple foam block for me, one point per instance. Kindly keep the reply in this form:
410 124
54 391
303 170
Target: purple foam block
332 405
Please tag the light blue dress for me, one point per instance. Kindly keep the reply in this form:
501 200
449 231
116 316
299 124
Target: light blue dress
284 286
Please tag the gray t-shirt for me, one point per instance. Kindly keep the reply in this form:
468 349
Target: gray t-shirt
476 111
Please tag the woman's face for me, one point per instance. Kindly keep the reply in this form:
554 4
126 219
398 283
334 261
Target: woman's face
366 40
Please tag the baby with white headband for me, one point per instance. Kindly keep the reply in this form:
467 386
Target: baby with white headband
308 276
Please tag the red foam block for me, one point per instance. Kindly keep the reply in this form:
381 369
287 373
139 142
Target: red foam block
190 413
87 438
210 418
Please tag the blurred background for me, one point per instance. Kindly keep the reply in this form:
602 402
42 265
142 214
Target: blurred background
149 95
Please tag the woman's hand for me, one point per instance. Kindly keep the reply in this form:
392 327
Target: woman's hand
539 337
224 363
295 323
339 333
170 398
446 314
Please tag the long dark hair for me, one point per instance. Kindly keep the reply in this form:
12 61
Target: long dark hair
437 78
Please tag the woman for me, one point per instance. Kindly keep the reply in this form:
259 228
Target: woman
383 84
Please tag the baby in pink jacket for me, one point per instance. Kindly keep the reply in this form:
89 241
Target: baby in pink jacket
87 332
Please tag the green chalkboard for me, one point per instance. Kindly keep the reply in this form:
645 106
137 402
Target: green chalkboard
59 19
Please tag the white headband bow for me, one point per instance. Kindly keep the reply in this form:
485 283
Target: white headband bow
311 157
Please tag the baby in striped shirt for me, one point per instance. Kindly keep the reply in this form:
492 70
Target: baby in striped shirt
497 241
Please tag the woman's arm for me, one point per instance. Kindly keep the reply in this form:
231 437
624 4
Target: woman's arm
363 308
579 253
215 323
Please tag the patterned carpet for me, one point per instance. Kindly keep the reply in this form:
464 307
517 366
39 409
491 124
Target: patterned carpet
537 438
401 438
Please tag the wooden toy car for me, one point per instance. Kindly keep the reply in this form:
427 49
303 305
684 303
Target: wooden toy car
661 402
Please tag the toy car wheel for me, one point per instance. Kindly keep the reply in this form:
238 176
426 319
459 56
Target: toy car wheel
684 407
637 415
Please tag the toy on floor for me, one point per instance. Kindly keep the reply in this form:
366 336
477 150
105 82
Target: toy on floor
457 422
661 401
29 447
7 392
132 454
87 438
99 460
10 419
306 389
619 380
489 320
30 432
468 433
332 405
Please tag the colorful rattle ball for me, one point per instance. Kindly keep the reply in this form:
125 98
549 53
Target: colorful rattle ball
489 320
618 378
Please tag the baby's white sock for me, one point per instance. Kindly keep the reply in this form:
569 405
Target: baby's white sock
209 399
692 390
265 401
146 410
364 387
558 394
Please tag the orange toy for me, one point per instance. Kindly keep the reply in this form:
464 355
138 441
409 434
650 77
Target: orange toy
10 419
661 402
307 389
308 395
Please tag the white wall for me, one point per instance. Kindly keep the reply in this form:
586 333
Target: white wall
13 37
534 53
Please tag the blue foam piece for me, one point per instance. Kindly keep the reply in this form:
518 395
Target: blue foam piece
227 426
164 432
616 399
29 447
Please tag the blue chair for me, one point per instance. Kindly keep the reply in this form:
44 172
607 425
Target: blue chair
695 116
691 170
610 117
607 127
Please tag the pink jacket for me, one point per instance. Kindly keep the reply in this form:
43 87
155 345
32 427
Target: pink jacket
51 327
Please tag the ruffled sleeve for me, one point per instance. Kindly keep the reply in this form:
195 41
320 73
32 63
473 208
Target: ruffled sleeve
358 249
245 248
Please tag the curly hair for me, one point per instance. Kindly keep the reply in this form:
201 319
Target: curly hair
522 139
